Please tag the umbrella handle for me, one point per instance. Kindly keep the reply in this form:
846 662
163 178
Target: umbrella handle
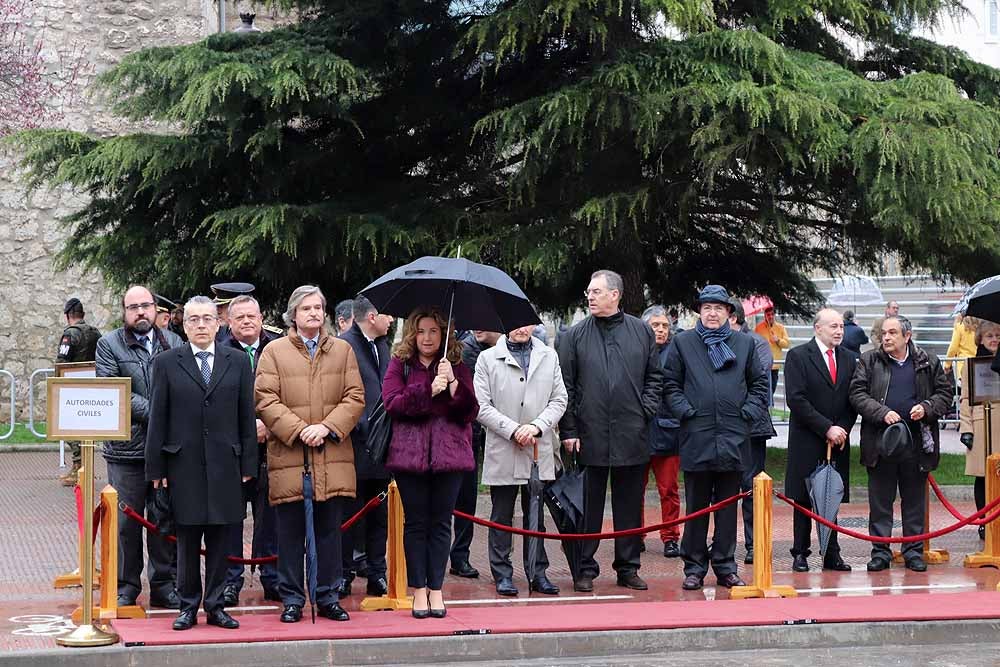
448 325
534 451
829 450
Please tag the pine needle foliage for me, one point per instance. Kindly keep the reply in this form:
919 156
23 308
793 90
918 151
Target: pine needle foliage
746 142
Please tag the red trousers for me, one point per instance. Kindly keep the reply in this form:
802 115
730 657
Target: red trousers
666 470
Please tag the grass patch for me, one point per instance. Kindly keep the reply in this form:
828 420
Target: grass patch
950 471
21 434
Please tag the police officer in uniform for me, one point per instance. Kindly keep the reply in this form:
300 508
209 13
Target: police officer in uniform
224 293
164 310
78 343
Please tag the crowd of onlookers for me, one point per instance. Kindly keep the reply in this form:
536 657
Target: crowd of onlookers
233 413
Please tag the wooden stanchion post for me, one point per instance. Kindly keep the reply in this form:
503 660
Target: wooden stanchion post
763 514
990 555
395 561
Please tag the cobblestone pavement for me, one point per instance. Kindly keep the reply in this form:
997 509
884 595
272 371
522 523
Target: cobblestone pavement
38 542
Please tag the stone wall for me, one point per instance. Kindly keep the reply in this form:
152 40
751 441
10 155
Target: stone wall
32 292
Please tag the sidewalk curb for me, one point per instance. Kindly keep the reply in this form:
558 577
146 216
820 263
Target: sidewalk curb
512 647
29 447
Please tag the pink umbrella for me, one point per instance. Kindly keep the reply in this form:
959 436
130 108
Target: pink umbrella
756 304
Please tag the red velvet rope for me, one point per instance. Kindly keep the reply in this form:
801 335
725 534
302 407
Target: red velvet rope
98 513
642 530
132 514
947 505
992 508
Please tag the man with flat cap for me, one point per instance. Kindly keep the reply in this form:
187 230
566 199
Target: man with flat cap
718 390
224 293
78 343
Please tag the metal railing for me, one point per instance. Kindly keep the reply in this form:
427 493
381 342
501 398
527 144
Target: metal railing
13 386
31 399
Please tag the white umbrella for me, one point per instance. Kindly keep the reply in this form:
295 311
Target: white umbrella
855 291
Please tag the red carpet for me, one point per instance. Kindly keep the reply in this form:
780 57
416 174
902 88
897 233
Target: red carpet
578 618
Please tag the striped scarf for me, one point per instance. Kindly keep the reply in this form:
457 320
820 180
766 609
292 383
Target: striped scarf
719 353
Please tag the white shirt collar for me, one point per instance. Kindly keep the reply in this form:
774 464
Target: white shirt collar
823 348
902 361
210 349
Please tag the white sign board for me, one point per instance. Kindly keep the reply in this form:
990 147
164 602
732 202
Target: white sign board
89 408
985 385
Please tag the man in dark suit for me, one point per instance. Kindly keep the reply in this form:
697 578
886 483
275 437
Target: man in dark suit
202 445
817 386
249 336
367 336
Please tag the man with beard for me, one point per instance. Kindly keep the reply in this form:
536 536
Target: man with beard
128 352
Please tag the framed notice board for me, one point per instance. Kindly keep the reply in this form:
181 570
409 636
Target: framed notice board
83 408
984 383
76 369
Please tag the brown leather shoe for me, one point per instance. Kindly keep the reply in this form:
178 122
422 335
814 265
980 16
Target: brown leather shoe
730 580
692 582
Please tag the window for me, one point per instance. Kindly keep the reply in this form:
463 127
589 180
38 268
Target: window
992 18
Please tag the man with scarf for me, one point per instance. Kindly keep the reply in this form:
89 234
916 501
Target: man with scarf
718 391
614 383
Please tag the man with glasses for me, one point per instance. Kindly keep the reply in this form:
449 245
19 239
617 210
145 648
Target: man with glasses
128 352
248 334
611 368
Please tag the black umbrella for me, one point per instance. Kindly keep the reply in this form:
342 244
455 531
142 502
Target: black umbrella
474 295
307 502
564 498
984 299
535 488
826 490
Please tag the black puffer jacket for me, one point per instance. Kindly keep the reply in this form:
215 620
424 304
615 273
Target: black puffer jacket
119 354
614 382
870 385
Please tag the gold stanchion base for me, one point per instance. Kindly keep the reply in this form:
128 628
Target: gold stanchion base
981 559
131 611
74 579
747 592
386 603
88 635
931 556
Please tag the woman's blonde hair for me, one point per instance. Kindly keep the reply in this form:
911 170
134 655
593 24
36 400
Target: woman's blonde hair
983 327
406 348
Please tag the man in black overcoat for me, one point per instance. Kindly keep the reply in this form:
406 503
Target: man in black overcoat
368 337
611 367
718 390
817 388
202 445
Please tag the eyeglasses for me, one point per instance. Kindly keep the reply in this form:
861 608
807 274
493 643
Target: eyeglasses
136 307
195 320
597 291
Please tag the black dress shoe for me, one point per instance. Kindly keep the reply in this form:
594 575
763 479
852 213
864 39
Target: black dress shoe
334 612
186 620
836 565
541 584
583 584
271 594
378 586
292 613
878 564
730 580
343 589
464 570
692 582
506 587
800 564
168 601
916 564
125 601
671 550
749 557
633 581
230 596
221 619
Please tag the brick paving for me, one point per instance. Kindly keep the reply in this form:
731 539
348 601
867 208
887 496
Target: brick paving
38 542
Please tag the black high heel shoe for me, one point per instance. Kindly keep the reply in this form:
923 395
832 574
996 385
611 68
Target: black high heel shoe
421 613
439 613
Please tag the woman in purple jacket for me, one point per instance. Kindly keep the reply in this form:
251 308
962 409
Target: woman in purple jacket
430 396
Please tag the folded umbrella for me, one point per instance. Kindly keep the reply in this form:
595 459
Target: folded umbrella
564 498
826 490
535 488
310 529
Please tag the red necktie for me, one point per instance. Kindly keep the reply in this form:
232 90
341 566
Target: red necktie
831 365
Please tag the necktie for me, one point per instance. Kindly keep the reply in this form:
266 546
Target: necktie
831 365
148 343
249 350
374 351
206 370
311 346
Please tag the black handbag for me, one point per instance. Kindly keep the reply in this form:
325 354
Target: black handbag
380 428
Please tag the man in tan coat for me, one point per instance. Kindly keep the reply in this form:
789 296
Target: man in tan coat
309 395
